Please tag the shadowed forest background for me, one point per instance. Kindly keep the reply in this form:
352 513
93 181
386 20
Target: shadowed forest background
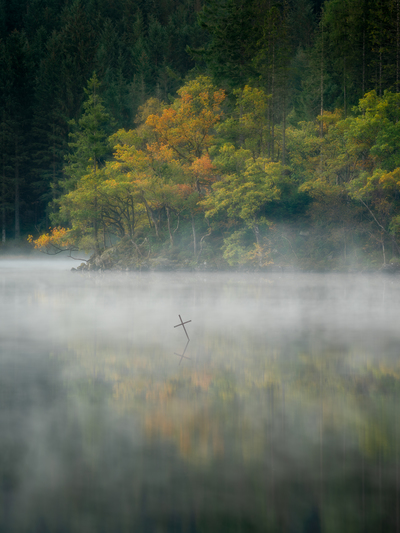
225 133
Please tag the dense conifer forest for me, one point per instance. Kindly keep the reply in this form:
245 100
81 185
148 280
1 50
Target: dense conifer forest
212 133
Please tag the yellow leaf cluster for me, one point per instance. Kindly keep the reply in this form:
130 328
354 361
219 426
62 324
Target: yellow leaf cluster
57 237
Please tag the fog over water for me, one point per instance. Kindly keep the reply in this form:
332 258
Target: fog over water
283 414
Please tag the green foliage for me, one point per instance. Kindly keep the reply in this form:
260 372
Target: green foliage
89 142
241 195
49 51
234 34
247 126
240 250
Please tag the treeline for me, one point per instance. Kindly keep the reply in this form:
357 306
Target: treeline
195 181
267 92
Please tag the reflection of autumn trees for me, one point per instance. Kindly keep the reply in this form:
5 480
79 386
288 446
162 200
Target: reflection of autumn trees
326 417
192 405
198 435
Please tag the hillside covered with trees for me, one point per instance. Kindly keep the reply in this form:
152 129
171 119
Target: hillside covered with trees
203 134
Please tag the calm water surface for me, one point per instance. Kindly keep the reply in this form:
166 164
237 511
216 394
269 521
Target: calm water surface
283 414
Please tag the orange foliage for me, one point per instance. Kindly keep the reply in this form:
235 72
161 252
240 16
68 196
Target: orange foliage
201 380
203 169
57 238
184 190
186 131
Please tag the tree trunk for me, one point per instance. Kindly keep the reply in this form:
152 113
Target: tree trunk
322 75
272 103
257 236
194 237
150 215
284 132
344 87
383 250
3 212
16 197
269 102
321 130
397 44
363 61
241 136
96 218
269 130
3 198
131 220
3 182
54 165
171 239
96 225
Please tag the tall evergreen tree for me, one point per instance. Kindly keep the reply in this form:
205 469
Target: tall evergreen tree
233 32
89 145
89 142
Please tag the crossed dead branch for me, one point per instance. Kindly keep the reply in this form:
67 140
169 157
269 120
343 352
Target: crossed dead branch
182 356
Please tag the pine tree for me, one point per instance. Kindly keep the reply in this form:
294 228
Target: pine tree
75 48
112 69
234 32
89 142
89 145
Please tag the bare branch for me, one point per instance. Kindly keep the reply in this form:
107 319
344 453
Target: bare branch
373 216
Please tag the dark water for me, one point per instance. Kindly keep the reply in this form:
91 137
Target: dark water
282 416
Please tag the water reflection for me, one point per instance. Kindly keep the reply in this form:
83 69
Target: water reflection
285 418
182 355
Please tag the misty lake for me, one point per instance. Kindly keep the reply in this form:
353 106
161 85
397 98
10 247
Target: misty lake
280 414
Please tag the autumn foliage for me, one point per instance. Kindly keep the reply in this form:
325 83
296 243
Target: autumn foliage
55 241
201 168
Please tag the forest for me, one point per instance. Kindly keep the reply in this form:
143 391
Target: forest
222 134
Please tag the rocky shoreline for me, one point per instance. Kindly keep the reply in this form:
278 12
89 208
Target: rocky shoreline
124 259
